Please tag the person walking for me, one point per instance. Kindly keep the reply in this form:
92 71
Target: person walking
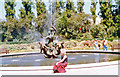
96 45
105 45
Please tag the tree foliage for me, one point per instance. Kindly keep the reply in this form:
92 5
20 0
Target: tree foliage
70 20
9 26
26 11
41 16
93 9
10 8
109 18
80 4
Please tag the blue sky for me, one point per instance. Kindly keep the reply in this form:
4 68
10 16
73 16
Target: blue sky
19 5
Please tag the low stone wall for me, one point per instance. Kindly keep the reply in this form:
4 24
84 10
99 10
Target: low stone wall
71 45
83 45
4 50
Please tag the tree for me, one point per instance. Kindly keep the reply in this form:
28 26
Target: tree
69 27
8 26
63 21
98 31
26 15
116 17
69 8
80 5
10 29
70 22
59 6
9 7
26 11
40 7
93 9
24 23
41 16
106 14
118 25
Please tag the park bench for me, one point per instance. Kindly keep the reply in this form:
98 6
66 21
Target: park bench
4 50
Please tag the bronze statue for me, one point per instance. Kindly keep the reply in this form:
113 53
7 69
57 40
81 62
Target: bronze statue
51 48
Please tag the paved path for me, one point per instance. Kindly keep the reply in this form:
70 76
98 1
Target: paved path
103 68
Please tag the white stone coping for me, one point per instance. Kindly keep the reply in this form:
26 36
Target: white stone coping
45 68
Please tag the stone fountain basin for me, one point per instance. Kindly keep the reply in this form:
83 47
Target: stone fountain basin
74 57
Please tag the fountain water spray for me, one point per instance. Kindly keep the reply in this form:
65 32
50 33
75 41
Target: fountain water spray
50 46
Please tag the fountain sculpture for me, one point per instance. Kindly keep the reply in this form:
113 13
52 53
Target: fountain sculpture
51 48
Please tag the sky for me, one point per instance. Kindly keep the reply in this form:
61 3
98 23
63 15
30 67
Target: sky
86 8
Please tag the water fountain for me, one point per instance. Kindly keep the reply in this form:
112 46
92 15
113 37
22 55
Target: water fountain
51 48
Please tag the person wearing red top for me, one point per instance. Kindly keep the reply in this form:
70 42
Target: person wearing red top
59 67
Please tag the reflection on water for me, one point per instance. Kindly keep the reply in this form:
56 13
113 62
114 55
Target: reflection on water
96 57
39 60
106 58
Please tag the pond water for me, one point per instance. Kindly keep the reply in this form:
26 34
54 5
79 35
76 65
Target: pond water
73 58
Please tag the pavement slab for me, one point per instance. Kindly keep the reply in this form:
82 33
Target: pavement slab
103 68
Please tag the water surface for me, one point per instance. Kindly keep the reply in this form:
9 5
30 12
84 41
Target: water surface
73 58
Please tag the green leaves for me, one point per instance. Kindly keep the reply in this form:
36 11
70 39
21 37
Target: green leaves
71 22
26 11
80 5
93 9
109 18
69 6
40 8
9 7
69 26
41 16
